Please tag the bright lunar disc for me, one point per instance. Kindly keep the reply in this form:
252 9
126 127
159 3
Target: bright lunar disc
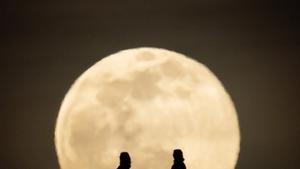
147 101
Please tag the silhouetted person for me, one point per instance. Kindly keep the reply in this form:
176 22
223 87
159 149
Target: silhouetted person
125 162
178 160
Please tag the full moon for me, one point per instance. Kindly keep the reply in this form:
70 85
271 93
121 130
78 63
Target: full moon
147 102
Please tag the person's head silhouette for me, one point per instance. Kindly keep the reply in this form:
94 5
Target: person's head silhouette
125 161
178 159
178 155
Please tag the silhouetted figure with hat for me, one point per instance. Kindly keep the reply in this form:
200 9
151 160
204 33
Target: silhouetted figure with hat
178 160
125 161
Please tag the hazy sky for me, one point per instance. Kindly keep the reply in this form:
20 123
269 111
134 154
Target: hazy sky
252 46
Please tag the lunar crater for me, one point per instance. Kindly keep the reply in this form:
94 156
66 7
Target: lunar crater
145 56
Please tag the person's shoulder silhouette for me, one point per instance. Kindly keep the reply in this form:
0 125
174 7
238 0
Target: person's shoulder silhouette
125 161
178 160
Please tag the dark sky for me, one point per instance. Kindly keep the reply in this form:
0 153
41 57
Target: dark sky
252 46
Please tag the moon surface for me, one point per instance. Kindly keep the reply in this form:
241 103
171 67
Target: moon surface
148 102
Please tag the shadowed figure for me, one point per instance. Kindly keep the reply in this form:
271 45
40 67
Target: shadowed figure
125 161
178 160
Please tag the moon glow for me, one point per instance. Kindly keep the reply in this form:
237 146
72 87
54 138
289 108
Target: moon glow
147 101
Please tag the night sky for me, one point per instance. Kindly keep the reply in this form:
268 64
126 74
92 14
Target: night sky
252 46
